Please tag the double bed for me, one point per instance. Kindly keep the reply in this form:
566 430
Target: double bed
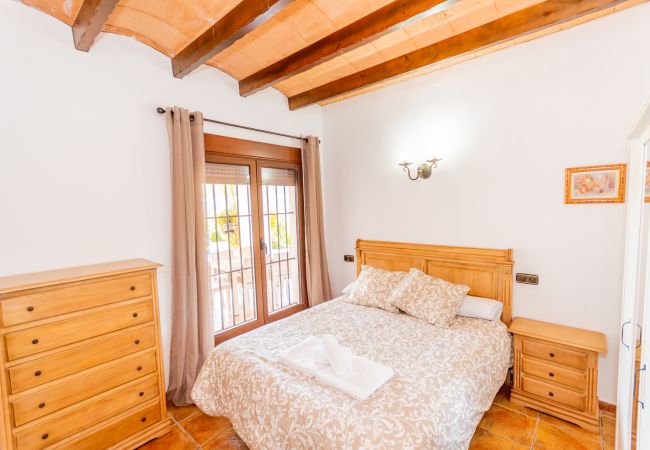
445 378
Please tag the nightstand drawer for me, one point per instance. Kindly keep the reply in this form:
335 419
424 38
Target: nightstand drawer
554 373
556 354
554 393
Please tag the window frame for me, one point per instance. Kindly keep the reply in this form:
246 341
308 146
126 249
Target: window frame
257 155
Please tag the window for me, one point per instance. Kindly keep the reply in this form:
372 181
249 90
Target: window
253 213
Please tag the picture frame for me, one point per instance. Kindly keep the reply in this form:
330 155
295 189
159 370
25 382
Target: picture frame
596 184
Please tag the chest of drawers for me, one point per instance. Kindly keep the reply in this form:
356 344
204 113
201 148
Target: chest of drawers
80 358
556 370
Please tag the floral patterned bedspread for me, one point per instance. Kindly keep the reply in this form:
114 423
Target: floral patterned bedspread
445 379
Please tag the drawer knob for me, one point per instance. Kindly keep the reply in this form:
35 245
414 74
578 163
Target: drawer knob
37 373
139 367
550 394
551 374
141 394
132 288
135 314
45 436
41 405
144 419
137 341
34 341
552 355
30 308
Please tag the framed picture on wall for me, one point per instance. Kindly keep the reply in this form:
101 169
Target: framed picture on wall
596 184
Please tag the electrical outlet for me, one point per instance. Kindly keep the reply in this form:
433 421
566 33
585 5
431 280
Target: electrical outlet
527 278
348 258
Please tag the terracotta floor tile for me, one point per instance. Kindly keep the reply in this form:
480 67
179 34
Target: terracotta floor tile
202 427
509 424
569 427
226 440
484 440
176 439
503 399
181 413
549 437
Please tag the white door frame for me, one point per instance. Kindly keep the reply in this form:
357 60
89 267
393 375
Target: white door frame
639 136
641 140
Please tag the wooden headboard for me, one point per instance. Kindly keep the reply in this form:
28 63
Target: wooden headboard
487 272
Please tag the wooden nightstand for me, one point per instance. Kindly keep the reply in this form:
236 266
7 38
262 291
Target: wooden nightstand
556 370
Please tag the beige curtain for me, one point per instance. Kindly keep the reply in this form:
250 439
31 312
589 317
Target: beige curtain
192 335
318 280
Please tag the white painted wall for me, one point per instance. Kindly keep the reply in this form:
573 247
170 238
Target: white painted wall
84 167
506 126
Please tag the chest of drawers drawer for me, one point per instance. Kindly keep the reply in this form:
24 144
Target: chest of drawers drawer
571 358
552 372
57 334
116 430
86 385
51 431
35 373
66 299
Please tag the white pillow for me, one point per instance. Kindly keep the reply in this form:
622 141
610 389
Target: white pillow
480 308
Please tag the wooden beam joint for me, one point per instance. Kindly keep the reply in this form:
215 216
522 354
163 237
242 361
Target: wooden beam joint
90 21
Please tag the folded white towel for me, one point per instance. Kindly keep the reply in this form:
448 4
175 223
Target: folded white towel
301 356
336 366
363 379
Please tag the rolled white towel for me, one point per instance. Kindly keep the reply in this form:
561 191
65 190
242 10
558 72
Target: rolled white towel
339 358
320 358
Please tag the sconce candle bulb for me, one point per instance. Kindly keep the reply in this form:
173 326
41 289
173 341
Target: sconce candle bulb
424 169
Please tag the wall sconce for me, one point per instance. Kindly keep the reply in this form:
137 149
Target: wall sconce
424 169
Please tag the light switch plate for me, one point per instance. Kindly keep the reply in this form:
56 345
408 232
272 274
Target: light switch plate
527 278
348 258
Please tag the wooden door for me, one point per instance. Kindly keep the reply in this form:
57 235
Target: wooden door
254 219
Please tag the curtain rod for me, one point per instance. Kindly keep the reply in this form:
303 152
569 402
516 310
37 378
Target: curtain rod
161 110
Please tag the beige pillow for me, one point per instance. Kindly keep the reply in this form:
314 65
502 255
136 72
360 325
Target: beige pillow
374 288
427 298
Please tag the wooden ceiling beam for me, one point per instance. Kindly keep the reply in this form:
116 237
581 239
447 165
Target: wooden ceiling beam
242 19
525 21
392 17
92 16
